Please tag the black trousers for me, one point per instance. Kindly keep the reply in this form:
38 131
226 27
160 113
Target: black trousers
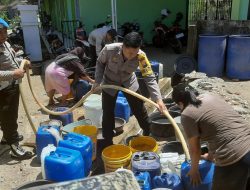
9 102
92 55
108 119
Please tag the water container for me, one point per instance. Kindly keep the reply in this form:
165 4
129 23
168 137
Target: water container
206 170
43 138
121 94
64 164
45 152
238 57
65 119
80 88
171 181
122 108
155 66
146 162
143 87
93 109
81 143
143 178
211 54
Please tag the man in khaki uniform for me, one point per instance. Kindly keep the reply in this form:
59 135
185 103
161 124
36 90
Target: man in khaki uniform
116 65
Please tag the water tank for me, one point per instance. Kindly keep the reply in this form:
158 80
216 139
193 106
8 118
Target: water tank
238 57
211 54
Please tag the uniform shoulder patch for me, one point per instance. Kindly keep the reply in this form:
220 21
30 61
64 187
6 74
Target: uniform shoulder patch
144 65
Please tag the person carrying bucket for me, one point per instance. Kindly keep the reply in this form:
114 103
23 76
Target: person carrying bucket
208 118
58 72
10 76
116 65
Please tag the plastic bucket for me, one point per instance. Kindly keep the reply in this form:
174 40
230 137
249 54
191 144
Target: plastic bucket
143 143
90 131
93 110
70 127
65 119
116 156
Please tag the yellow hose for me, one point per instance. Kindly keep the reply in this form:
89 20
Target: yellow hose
165 112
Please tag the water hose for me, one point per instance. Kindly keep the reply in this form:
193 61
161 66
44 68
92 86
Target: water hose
165 112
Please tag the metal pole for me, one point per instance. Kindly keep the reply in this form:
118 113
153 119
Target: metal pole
114 14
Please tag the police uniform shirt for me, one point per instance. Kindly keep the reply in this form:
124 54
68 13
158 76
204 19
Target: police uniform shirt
7 65
113 70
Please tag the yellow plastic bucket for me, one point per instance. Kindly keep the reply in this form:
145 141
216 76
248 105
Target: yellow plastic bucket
116 156
143 143
90 131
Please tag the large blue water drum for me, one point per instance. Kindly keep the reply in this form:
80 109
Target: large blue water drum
211 54
155 66
238 57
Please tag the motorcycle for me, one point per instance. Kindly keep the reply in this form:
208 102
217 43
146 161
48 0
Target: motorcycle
15 38
168 35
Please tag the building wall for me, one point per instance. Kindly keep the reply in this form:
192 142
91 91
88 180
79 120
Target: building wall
240 9
93 12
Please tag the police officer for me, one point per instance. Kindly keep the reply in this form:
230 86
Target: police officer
10 74
116 65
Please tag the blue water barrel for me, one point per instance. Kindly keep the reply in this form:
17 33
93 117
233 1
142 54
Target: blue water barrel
144 180
206 170
211 54
238 57
79 89
64 164
43 138
65 119
171 181
146 162
122 108
81 143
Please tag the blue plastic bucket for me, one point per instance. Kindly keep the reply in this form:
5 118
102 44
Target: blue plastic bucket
238 57
211 54
65 119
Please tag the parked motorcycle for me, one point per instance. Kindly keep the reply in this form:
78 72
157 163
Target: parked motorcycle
168 35
15 38
86 47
